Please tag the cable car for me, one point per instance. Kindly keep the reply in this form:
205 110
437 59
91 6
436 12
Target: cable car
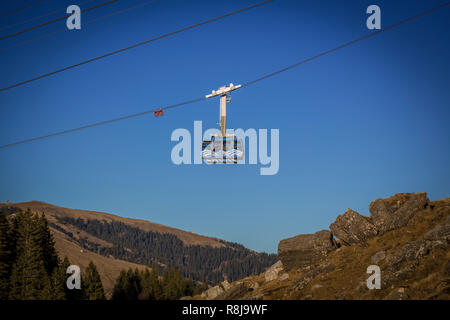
223 148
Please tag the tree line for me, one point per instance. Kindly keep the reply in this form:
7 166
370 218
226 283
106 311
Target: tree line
150 285
29 265
201 263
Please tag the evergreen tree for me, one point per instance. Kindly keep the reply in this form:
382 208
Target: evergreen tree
155 283
50 256
28 276
5 256
171 285
128 285
70 294
188 287
148 285
55 288
147 290
119 292
151 287
13 235
93 288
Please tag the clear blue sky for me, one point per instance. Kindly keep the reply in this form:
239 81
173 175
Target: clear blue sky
365 122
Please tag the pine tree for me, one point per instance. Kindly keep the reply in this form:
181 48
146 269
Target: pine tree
188 287
172 286
71 294
93 288
55 288
119 291
155 283
50 256
147 290
165 284
29 276
127 286
5 256
13 235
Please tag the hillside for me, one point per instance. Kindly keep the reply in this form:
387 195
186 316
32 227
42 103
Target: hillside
406 235
54 212
116 243
107 267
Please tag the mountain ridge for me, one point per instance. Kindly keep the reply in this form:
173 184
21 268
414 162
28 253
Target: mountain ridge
186 236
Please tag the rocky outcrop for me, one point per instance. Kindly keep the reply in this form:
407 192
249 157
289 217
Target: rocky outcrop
272 272
226 285
353 228
386 215
215 291
414 259
233 293
395 212
305 249
284 276
402 263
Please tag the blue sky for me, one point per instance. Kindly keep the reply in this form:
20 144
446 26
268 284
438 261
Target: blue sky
362 123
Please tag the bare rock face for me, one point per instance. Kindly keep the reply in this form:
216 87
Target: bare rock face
395 212
233 293
218 290
305 249
284 276
226 285
273 271
353 228
386 214
213 292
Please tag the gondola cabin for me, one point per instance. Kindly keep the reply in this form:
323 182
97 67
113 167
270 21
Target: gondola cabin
222 150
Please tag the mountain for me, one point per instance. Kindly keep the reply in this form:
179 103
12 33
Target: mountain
114 243
407 237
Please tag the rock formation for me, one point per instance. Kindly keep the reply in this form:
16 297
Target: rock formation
395 212
352 228
406 236
305 249
272 272
385 215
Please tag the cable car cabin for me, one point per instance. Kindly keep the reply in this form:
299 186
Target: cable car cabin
222 150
